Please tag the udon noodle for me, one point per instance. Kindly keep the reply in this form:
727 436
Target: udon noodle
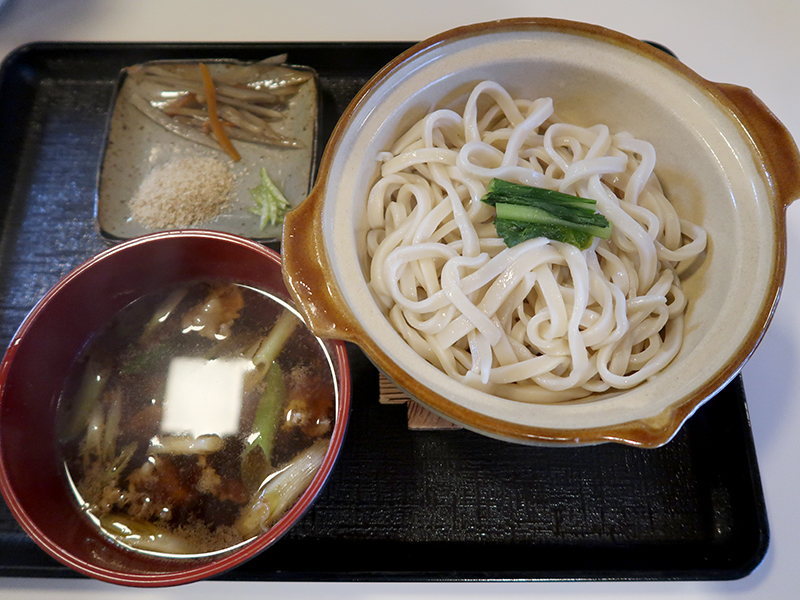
541 321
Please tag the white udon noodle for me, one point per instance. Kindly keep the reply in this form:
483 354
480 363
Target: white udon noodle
541 321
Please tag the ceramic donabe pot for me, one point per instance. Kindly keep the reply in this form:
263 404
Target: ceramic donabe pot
728 163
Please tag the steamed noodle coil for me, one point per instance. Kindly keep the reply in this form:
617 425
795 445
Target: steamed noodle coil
541 321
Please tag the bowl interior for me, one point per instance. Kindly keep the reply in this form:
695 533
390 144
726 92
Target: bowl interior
37 364
706 164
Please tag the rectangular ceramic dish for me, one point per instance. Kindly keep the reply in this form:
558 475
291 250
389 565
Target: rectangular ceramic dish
143 140
400 505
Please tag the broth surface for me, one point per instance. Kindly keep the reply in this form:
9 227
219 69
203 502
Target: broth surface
196 418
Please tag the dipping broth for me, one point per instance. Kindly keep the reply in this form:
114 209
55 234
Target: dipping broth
196 418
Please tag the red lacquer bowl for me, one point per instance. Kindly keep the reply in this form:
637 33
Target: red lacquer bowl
34 369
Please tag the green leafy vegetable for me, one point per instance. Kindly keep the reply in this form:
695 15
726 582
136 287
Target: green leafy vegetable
526 212
514 233
147 359
268 412
271 205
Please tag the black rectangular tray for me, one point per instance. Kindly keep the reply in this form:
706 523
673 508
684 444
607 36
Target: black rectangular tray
400 505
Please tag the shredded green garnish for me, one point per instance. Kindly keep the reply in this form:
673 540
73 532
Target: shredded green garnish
271 205
525 212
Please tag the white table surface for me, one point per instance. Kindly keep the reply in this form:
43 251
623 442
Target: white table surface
754 43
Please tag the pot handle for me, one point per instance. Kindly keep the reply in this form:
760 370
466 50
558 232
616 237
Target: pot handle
773 140
308 274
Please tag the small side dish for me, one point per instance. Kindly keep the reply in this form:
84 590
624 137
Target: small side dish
187 141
